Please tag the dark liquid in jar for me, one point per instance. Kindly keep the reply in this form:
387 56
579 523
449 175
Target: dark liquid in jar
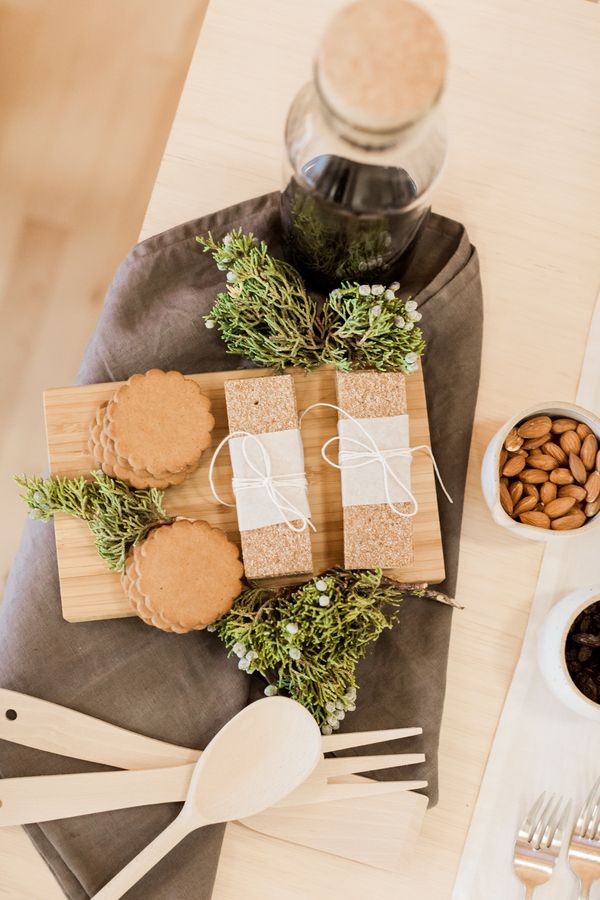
344 222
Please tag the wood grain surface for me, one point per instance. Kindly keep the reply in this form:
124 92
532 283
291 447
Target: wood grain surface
90 591
522 106
87 96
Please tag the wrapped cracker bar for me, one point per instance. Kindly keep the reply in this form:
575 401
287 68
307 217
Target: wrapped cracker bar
270 488
375 534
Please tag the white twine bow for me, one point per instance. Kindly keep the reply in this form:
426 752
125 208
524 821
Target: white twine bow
368 452
263 478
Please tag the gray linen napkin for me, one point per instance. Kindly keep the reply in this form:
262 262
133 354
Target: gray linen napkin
182 688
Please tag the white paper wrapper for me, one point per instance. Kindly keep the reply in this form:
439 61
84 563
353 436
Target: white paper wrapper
255 508
363 485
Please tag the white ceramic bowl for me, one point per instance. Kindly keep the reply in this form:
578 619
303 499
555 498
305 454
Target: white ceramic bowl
490 480
551 651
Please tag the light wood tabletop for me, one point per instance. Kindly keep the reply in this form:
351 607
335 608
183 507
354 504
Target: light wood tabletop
523 107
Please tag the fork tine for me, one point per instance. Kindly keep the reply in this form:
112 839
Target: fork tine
526 829
594 820
583 819
597 833
551 824
556 838
540 827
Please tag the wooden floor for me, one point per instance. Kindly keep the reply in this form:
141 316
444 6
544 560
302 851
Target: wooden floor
88 92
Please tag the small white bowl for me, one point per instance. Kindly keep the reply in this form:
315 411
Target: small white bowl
490 479
551 651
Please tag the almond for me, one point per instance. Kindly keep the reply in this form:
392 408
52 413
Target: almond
534 443
502 459
583 430
573 490
539 519
505 500
513 466
512 441
532 491
547 492
570 442
516 491
598 460
534 476
577 467
592 487
559 426
559 507
525 505
543 461
574 519
561 476
592 509
535 427
556 451
588 452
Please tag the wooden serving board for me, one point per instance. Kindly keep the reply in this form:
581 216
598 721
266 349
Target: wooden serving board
90 591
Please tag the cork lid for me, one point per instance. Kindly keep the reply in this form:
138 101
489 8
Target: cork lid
381 63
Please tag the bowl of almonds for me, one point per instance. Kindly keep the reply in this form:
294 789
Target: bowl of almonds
541 472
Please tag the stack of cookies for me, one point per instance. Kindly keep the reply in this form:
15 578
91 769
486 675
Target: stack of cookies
153 431
183 576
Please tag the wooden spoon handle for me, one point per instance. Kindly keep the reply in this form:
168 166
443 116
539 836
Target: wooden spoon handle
56 729
146 859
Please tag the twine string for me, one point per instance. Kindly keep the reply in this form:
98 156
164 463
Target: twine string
263 478
368 452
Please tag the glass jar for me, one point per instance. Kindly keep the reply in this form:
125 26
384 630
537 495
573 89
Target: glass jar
357 186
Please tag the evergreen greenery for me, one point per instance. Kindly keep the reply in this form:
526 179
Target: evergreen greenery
116 515
307 640
370 328
267 315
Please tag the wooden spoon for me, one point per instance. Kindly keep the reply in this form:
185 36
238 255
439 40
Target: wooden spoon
261 755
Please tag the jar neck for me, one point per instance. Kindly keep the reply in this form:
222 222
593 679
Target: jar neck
366 138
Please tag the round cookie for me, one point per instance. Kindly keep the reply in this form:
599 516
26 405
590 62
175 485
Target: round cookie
159 422
138 602
110 456
189 573
103 453
95 444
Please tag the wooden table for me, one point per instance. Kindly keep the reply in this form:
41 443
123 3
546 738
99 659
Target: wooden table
523 105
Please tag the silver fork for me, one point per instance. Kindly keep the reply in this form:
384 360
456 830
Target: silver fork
584 848
539 840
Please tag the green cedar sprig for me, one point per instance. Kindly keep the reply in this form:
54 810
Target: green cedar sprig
306 641
267 315
369 327
117 515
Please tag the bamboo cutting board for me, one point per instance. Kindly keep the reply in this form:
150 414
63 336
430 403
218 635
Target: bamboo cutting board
90 591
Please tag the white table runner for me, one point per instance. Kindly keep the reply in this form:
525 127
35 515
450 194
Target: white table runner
539 744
